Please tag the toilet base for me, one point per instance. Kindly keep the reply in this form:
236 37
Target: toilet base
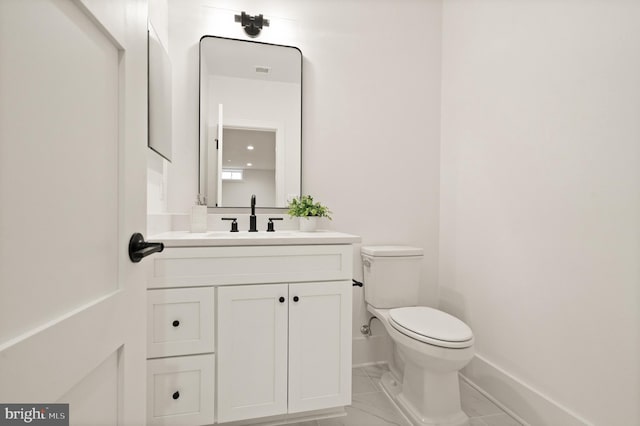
393 388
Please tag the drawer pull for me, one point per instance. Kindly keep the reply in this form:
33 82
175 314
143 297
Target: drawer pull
281 299
176 395
176 323
296 298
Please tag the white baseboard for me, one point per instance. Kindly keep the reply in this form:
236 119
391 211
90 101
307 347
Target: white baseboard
515 397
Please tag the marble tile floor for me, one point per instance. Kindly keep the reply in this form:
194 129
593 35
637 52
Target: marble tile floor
371 407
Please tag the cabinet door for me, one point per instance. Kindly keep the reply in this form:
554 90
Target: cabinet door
252 351
319 345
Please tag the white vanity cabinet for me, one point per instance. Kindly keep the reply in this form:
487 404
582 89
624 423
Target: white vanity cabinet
246 332
283 348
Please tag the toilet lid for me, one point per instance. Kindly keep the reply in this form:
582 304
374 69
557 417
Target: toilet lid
431 326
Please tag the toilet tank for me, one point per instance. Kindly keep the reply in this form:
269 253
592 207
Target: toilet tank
391 275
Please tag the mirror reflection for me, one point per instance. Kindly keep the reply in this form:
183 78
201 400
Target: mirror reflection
250 122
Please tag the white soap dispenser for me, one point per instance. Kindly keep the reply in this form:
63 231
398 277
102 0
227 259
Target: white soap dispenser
199 215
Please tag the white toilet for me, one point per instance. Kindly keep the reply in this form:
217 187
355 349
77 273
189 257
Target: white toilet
430 346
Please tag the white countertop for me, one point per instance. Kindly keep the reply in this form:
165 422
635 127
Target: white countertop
244 238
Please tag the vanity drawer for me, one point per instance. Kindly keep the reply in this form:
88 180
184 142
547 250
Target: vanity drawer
180 321
180 390
199 266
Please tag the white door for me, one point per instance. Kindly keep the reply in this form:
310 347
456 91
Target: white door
252 351
319 345
72 191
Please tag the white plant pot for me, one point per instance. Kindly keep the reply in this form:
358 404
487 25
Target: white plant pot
308 224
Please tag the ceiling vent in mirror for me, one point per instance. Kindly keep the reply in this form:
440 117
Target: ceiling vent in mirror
252 24
262 69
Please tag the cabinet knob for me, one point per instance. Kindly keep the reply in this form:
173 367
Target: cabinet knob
176 323
281 299
296 298
176 395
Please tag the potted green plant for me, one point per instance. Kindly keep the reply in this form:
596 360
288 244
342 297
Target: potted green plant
308 212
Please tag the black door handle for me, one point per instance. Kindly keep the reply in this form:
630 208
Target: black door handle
139 248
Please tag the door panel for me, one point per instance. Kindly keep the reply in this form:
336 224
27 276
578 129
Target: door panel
72 182
46 363
319 345
252 347
96 396
56 148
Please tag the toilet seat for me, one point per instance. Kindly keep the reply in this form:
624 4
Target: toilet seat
431 326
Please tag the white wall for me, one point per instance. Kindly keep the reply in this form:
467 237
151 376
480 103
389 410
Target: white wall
540 205
371 113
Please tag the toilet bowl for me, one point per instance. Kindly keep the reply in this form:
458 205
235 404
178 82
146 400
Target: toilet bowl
430 346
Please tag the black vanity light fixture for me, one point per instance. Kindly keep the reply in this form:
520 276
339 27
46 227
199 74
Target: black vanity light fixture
252 24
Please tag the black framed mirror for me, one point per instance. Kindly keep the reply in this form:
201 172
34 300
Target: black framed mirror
250 122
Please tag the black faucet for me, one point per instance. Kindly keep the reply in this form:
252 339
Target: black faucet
252 219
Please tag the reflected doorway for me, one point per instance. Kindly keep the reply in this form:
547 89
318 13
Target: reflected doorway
248 166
